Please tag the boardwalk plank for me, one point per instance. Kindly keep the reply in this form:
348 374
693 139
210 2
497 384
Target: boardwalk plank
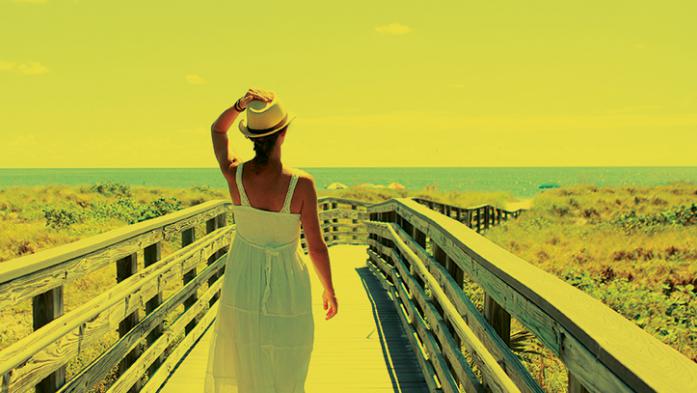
363 348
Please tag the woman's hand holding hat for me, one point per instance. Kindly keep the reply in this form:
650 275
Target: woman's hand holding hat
255 94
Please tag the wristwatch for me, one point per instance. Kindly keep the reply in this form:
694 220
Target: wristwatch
237 106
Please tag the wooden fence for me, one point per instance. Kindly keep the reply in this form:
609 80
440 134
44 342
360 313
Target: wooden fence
480 218
422 257
149 346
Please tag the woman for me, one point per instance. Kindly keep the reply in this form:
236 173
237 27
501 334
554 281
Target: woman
264 331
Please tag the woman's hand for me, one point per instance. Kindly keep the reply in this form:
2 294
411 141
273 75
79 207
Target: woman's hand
256 94
329 300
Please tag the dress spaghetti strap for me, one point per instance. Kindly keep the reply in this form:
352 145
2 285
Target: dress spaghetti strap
238 178
289 194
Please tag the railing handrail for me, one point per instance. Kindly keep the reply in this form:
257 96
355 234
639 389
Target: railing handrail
29 264
36 275
65 324
620 345
470 208
41 277
26 265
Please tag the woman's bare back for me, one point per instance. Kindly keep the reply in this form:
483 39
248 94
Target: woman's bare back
266 190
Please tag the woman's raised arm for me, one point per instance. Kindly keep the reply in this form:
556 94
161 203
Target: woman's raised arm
221 144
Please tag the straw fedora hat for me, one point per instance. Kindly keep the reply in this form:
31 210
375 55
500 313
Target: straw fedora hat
265 118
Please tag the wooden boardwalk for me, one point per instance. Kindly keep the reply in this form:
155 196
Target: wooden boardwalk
362 349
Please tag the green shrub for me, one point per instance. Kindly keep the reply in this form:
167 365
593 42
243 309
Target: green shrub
682 215
58 217
158 207
126 209
109 188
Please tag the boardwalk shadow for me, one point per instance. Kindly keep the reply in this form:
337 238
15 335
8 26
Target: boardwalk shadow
400 359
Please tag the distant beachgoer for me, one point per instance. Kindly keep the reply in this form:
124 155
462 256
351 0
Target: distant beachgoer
264 330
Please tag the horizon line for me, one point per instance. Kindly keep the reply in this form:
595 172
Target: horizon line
388 167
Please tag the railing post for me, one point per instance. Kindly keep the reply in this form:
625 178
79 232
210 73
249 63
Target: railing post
498 318
574 385
126 267
212 225
439 254
479 220
151 255
188 237
487 217
221 221
419 237
45 308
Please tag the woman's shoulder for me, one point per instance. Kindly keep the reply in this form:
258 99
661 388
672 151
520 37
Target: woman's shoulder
301 174
305 182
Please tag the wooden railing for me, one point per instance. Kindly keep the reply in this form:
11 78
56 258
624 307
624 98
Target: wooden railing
146 349
149 344
480 218
422 258
420 255
342 221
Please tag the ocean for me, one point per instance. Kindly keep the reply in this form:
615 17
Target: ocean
520 181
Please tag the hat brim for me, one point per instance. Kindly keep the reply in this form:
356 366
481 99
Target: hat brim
245 130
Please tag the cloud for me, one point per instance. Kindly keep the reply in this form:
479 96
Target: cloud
195 79
29 68
393 29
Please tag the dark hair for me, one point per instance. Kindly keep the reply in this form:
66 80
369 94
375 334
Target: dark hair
264 144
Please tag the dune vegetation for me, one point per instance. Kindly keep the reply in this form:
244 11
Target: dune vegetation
633 248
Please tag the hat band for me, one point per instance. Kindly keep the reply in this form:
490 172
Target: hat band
261 131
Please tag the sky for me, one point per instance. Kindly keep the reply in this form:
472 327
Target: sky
387 83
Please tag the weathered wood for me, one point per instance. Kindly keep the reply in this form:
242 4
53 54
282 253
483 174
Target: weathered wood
502 353
188 237
498 318
151 255
126 267
342 213
63 271
574 385
420 257
426 367
37 355
118 306
99 369
202 306
47 307
35 263
498 380
366 341
212 225
189 340
605 351
428 334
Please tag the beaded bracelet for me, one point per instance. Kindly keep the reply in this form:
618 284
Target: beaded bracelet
237 107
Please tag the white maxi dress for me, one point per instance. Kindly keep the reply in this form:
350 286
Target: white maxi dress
264 330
